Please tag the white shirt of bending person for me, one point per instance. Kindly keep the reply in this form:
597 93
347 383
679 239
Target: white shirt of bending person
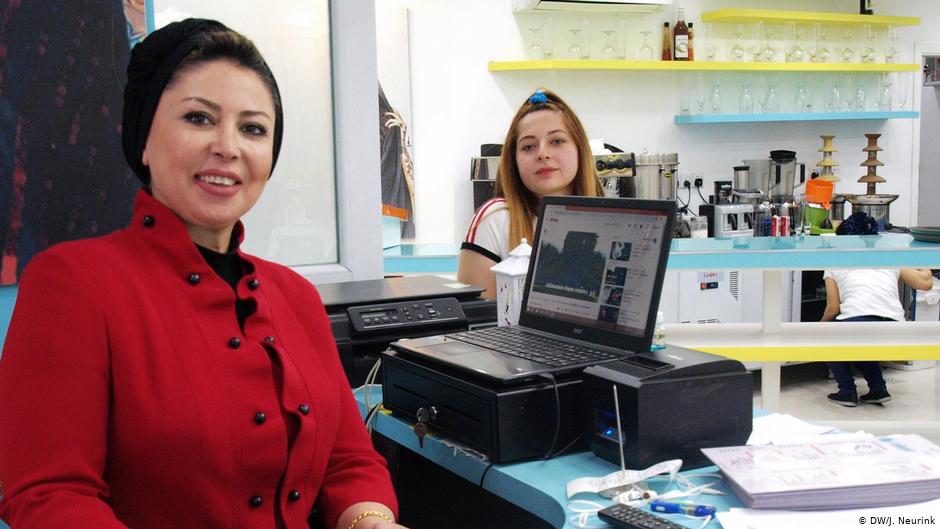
868 292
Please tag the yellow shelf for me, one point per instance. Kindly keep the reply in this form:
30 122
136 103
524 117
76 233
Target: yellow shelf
574 64
772 16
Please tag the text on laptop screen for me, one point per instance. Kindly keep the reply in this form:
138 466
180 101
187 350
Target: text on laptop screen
597 266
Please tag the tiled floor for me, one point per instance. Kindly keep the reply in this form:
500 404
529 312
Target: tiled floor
914 399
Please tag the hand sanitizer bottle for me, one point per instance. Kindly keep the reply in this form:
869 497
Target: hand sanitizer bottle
659 333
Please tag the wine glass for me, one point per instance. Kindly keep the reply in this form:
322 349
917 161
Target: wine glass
768 51
711 43
645 52
891 51
822 48
737 51
868 53
797 34
574 50
608 51
536 51
848 54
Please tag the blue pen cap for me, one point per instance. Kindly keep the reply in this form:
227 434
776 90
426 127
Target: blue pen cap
704 510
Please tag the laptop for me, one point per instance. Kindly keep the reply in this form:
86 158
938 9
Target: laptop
591 294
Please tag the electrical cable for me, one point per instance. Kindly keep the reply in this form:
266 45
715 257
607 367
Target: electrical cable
699 189
483 476
551 449
569 445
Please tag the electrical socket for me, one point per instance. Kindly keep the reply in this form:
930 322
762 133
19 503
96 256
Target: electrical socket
698 182
686 184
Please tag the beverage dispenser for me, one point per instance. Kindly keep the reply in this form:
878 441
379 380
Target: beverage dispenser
656 175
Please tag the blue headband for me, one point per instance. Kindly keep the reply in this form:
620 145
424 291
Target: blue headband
538 97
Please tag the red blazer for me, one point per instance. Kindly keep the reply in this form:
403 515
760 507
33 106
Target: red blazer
130 397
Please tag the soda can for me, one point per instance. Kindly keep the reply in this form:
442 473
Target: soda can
784 225
775 226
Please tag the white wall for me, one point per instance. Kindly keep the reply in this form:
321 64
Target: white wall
458 105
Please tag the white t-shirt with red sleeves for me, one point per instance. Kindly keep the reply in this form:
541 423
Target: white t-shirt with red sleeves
488 233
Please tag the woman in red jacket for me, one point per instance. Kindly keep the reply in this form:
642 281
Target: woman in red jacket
158 377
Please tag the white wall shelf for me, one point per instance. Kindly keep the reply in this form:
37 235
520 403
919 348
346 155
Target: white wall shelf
692 66
793 116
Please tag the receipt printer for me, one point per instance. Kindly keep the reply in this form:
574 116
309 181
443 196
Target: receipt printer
673 402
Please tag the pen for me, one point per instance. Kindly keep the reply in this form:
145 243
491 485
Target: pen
690 509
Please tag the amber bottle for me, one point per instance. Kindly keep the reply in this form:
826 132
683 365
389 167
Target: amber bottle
667 42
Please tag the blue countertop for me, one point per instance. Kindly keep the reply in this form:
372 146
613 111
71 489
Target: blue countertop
536 486
806 252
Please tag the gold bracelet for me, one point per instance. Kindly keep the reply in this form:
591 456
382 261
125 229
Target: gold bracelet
378 514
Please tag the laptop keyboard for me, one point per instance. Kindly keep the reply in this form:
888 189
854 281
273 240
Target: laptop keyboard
535 347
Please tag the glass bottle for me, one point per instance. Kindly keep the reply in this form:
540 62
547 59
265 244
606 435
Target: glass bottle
716 97
772 104
801 102
691 43
680 39
860 97
747 101
667 42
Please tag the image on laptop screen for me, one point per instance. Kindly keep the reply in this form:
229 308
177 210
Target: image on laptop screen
596 267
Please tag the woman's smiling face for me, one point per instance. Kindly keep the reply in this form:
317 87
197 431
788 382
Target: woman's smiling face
546 154
210 148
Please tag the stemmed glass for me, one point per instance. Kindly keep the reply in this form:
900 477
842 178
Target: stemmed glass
822 49
645 52
711 42
737 51
575 51
868 53
848 54
536 51
891 52
796 49
768 50
608 51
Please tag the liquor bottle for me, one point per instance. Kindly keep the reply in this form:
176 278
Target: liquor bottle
865 7
667 42
680 39
691 42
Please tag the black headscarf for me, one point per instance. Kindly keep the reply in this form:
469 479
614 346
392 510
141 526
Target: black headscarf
152 64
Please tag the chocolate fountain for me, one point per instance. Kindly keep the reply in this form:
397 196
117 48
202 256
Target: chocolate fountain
875 205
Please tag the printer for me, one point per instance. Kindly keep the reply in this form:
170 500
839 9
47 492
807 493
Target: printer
673 402
366 316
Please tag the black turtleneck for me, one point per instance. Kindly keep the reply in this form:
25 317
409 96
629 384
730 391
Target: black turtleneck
230 268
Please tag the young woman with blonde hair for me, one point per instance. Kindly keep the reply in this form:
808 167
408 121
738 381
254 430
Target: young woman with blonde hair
546 152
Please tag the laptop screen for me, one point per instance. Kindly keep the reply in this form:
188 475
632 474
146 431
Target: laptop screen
597 269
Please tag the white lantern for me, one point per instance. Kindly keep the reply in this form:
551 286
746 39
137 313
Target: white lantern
510 283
